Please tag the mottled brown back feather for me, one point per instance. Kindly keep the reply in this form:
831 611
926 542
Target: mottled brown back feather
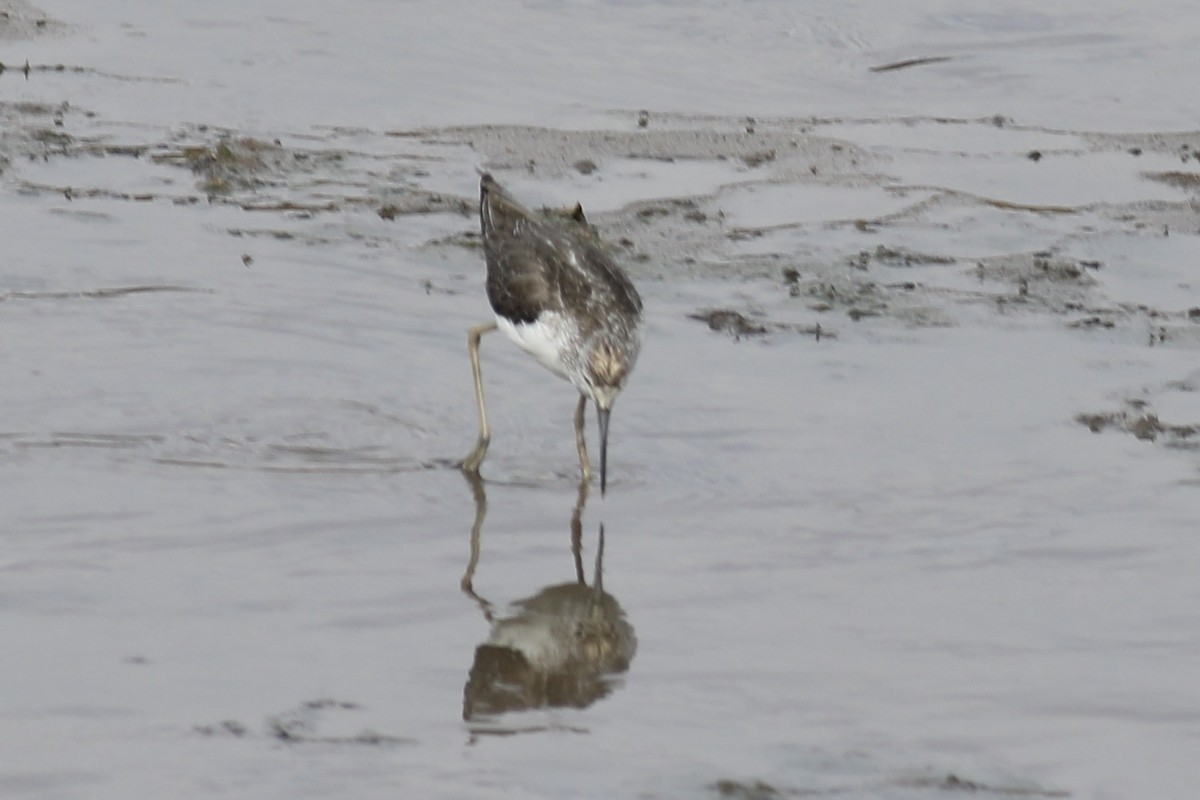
537 264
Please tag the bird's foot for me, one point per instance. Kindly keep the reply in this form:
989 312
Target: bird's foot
474 459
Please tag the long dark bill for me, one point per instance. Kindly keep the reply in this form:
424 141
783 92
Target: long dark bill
602 417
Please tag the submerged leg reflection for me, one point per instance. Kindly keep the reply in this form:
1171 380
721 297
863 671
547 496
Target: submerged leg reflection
467 582
577 530
559 647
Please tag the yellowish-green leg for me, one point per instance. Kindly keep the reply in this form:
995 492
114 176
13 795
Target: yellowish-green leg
475 458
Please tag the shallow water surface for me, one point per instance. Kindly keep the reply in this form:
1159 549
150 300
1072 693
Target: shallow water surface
902 496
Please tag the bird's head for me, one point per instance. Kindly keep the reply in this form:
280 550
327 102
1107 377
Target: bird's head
606 370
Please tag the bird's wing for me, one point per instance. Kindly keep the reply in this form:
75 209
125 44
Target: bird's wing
608 275
520 281
536 264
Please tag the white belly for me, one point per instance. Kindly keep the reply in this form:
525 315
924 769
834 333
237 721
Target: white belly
546 340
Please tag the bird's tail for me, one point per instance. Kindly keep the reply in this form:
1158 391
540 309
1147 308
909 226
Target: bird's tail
497 208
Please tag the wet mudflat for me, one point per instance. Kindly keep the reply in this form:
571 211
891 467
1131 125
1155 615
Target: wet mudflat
903 494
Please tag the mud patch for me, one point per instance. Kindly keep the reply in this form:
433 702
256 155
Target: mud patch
689 235
308 723
790 149
752 790
108 441
739 325
100 294
1153 415
1144 425
243 163
953 783
899 257
729 789
828 291
1040 277
419 202
1188 181
22 22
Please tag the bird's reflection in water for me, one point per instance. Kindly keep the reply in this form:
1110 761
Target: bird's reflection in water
561 647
